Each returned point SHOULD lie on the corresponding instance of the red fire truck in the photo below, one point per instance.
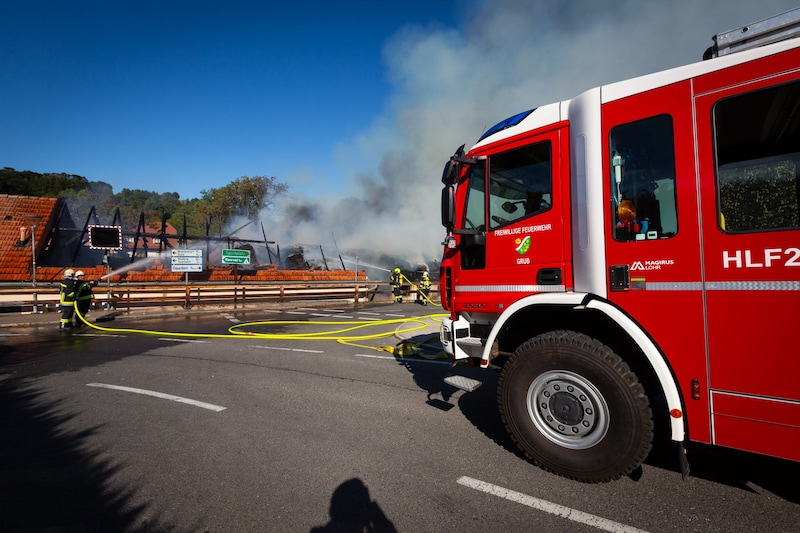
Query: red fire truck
(629, 261)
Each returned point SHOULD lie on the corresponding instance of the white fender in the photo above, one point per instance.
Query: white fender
(651, 352)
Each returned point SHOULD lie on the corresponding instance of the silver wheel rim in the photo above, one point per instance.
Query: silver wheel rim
(567, 409)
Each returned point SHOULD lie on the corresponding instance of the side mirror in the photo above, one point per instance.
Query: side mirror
(448, 207)
(450, 172)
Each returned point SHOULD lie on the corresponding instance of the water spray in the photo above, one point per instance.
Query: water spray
(363, 264)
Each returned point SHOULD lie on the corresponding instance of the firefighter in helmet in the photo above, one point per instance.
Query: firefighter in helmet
(66, 298)
(424, 288)
(83, 297)
(397, 285)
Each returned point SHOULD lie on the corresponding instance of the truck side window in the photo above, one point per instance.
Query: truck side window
(757, 146)
(473, 247)
(643, 180)
(520, 184)
(475, 212)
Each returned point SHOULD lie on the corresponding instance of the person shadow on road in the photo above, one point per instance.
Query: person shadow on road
(352, 511)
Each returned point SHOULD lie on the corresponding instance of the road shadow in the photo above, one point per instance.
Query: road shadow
(48, 479)
(745, 471)
(423, 361)
(479, 406)
(352, 510)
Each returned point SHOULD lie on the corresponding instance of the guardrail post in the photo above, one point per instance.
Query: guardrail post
(244, 296)
(187, 304)
(280, 297)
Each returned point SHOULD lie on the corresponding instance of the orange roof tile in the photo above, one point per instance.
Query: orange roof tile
(17, 215)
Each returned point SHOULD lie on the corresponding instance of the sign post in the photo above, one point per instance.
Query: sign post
(187, 261)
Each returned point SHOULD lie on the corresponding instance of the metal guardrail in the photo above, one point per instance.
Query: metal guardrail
(125, 296)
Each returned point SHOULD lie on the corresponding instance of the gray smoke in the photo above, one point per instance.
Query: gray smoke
(450, 84)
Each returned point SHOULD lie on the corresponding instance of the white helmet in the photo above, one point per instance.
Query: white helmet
(79, 273)
(68, 273)
(425, 274)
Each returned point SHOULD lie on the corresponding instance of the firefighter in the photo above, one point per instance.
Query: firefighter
(83, 296)
(66, 299)
(424, 288)
(397, 285)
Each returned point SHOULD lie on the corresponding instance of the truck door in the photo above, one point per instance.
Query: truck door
(749, 155)
(515, 202)
(653, 237)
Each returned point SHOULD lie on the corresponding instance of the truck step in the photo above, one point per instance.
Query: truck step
(463, 383)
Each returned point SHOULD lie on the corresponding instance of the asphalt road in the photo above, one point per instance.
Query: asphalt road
(126, 431)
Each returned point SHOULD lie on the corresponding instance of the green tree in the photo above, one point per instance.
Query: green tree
(27, 183)
(98, 194)
(244, 196)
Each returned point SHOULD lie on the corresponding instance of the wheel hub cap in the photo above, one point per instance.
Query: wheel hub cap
(568, 409)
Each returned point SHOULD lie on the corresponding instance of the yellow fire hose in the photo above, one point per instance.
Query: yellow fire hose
(344, 334)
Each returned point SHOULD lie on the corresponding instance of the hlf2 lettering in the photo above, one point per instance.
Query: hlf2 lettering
(761, 258)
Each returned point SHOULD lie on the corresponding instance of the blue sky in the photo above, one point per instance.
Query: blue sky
(356, 105)
(186, 96)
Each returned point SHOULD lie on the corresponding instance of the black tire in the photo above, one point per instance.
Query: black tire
(575, 407)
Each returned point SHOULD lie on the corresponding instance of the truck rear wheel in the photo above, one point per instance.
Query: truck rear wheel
(575, 408)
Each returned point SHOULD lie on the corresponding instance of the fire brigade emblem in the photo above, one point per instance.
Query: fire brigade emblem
(523, 245)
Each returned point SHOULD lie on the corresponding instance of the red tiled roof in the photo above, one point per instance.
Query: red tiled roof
(170, 233)
(18, 212)
(25, 211)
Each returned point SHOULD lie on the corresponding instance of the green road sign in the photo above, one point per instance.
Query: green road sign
(235, 257)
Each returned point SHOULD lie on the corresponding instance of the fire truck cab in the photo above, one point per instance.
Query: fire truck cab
(629, 261)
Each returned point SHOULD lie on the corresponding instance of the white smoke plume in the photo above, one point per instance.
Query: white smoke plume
(450, 84)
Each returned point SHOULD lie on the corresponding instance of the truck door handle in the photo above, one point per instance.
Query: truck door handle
(548, 276)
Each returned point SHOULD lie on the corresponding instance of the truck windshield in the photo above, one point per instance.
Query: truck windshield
(520, 183)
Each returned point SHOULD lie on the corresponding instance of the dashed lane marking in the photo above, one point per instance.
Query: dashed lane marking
(284, 349)
(183, 340)
(179, 399)
(548, 507)
(231, 318)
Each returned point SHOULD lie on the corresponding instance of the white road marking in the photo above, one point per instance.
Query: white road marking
(404, 359)
(161, 395)
(288, 349)
(182, 340)
(342, 316)
(319, 314)
(548, 507)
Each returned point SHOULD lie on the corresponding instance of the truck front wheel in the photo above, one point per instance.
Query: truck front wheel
(575, 408)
